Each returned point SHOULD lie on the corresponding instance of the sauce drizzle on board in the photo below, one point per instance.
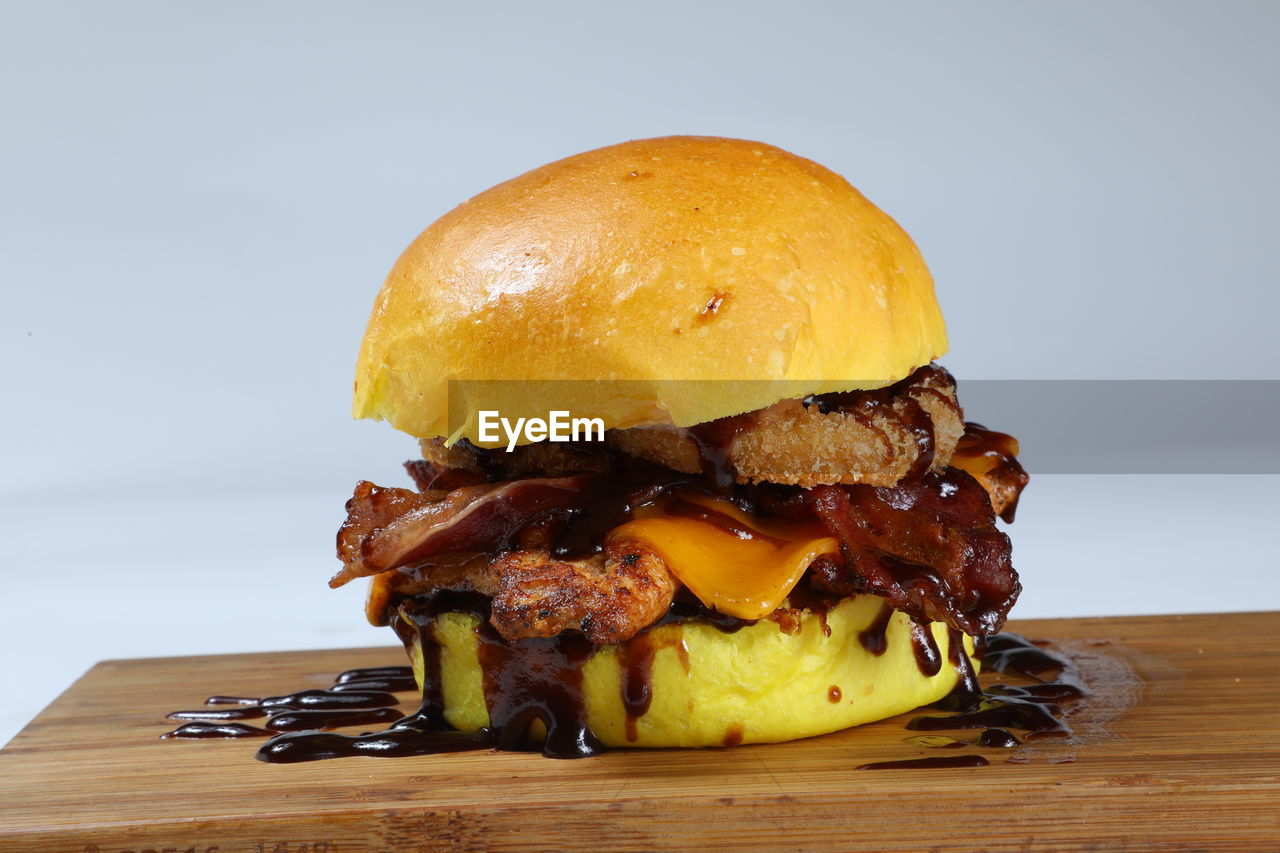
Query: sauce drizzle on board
(928, 761)
(540, 680)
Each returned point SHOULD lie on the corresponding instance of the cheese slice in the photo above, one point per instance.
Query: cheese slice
(733, 562)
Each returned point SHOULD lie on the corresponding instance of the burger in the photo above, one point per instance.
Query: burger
(690, 474)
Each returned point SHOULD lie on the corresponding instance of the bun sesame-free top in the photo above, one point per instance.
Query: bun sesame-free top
(642, 266)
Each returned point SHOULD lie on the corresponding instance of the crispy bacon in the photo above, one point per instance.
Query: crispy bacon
(387, 528)
(929, 546)
(991, 458)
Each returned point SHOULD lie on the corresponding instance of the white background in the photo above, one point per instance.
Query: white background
(198, 203)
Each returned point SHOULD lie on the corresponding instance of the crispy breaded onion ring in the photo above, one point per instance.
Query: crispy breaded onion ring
(875, 437)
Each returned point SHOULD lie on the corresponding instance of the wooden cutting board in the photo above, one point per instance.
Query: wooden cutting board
(1179, 748)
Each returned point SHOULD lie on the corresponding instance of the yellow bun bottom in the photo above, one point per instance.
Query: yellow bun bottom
(758, 685)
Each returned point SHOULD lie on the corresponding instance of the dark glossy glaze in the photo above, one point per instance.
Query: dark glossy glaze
(990, 738)
(1004, 710)
(377, 685)
(541, 680)
(393, 679)
(931, 761)
(216, 730)
(317, 718)
(423, 732)
(609, 505)
(414, 624)
(677, 506)
(210, 715)
(873, 637)
(998, 453)
(968, 682)
(230, 700)
(524, 681)
(714, 440)
(925, 648)
(802, 598)
(684, 609)
(1036, 709)
(398, 673)
(297, 747)
(305, 709)
(929, 546)
(891, 402)
(1010, 653)
(328, 700)
(537, 679)
(997, 739)
(635, 657)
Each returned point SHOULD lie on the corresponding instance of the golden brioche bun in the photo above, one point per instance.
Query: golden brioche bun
(635, 269)
(761, 684)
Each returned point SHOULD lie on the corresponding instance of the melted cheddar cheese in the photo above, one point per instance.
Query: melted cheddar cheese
(733, 562)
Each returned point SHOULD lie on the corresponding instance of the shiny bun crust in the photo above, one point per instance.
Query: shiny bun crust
(759, 685)
(642, 266)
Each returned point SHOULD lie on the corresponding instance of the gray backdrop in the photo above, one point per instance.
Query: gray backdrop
(199, 201)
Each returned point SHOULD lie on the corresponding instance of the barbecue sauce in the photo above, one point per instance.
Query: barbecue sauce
(714, 440)
(1036, 708)
(524, 681)
(981, 450)
(305, 709)
(541, 680)
(928, 761)
(928, 660)
(635, 658)
(991, 738)
(968, 683)
(306, 720)
(537, 679)
(892, 402)
(873, 637)
(216, 729)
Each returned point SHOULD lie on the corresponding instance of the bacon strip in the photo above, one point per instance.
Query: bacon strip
(387, 528)
(930, 547)
(991, 458)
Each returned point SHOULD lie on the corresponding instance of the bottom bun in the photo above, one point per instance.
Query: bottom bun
(760, 684)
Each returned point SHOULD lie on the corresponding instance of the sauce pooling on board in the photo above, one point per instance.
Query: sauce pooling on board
(928, 761)
(305, 709)
(540, 680)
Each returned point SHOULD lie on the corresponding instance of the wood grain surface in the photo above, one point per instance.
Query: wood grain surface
(1178, 749)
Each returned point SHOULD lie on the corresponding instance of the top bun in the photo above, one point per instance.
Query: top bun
(638, 268)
